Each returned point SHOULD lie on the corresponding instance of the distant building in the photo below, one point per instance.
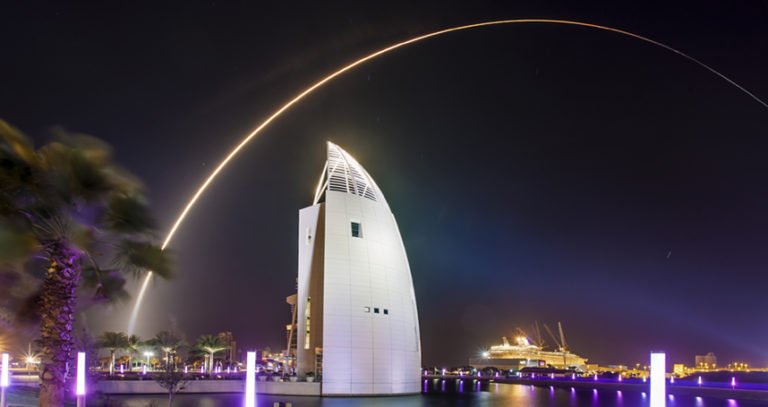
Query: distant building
(230, 357)
(706, 362)
(678, 369)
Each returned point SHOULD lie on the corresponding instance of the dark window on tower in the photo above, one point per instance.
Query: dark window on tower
(375, 310)
(357, 229)
(386, 311)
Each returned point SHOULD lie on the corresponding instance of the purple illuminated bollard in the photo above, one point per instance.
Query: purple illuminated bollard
(658, 385)
(4, 374)
(699, 381)
(4, 378)
(250, 380)
(80, 386)
(733, 382)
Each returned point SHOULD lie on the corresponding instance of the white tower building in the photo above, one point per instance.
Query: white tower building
(358, 327)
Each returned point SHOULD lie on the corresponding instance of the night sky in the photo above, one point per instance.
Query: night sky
(537, 172)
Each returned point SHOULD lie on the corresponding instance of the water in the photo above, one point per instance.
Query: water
(447, 393)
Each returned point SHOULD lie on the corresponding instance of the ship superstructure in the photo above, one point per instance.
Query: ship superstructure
(523, 353)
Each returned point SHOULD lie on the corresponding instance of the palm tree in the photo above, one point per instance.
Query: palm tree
(70, 205)
(211, 345)
(133, 346)
(168, 342)
(114, 341)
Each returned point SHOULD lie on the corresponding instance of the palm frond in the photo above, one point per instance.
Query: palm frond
(128, 214)
(138, 257)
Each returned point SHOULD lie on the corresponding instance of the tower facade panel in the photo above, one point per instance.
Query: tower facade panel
(370, 334)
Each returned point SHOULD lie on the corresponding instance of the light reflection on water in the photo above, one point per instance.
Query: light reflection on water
(439, 393)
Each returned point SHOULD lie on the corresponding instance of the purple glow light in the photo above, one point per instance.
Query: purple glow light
(699, 381)
(250, 380)
(144, 369)
(4, 374)
(733, 381)
(80, 387)
(122, 368)
(658, 384)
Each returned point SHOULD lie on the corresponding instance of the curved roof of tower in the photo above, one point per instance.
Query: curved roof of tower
(342, 173)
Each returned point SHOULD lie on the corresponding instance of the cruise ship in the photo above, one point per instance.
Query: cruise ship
(523, 353)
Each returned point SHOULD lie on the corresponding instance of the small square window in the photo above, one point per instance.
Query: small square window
(367, 309)
(357, 229)
(375, 310)
(386, 311)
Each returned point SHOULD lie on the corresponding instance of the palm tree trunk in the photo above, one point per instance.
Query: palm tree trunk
(57, 308)
(112, 362)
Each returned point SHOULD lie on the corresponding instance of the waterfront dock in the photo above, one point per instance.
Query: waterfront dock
(747, 391)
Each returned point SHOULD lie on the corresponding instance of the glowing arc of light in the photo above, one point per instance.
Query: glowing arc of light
(369, 57)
